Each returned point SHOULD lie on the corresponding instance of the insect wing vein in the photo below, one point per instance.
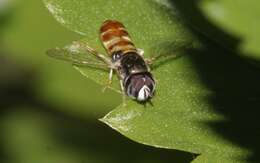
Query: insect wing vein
(77, 58)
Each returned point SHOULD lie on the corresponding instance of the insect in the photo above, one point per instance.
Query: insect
(136, 80)
(123, 58)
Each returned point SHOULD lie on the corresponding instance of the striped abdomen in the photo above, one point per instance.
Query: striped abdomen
(115, 37)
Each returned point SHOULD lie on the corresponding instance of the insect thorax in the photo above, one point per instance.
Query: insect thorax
(134, 72)
(129, 63)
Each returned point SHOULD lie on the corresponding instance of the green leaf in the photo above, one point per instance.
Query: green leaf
(180, 114)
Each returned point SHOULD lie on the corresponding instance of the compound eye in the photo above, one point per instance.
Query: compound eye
(118, 56)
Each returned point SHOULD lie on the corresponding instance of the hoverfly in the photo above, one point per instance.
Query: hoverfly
(124, 58)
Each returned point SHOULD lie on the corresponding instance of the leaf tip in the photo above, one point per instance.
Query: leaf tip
(102, 120)
(106, 121)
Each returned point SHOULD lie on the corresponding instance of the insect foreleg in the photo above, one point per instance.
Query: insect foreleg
(110, 76)
(123, 93)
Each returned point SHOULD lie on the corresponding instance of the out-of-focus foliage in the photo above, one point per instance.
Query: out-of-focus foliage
(184, 111)
(231, 24)
(239, 18)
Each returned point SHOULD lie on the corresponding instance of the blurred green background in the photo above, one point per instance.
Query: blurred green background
(48, 110)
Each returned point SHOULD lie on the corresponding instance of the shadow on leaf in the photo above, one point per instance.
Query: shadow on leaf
(233, 80)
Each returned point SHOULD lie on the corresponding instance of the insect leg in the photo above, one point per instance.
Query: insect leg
(123, 91)
(110, 77)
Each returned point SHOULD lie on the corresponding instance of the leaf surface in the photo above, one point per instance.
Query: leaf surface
(180, 113)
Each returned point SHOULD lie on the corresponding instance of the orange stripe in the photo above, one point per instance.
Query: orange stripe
(115, 37)
(111, 24)
(120, 43)
(124, 49)
(113, 33)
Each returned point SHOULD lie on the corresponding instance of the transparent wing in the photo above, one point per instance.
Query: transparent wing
(168, 51)
(79, 56)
